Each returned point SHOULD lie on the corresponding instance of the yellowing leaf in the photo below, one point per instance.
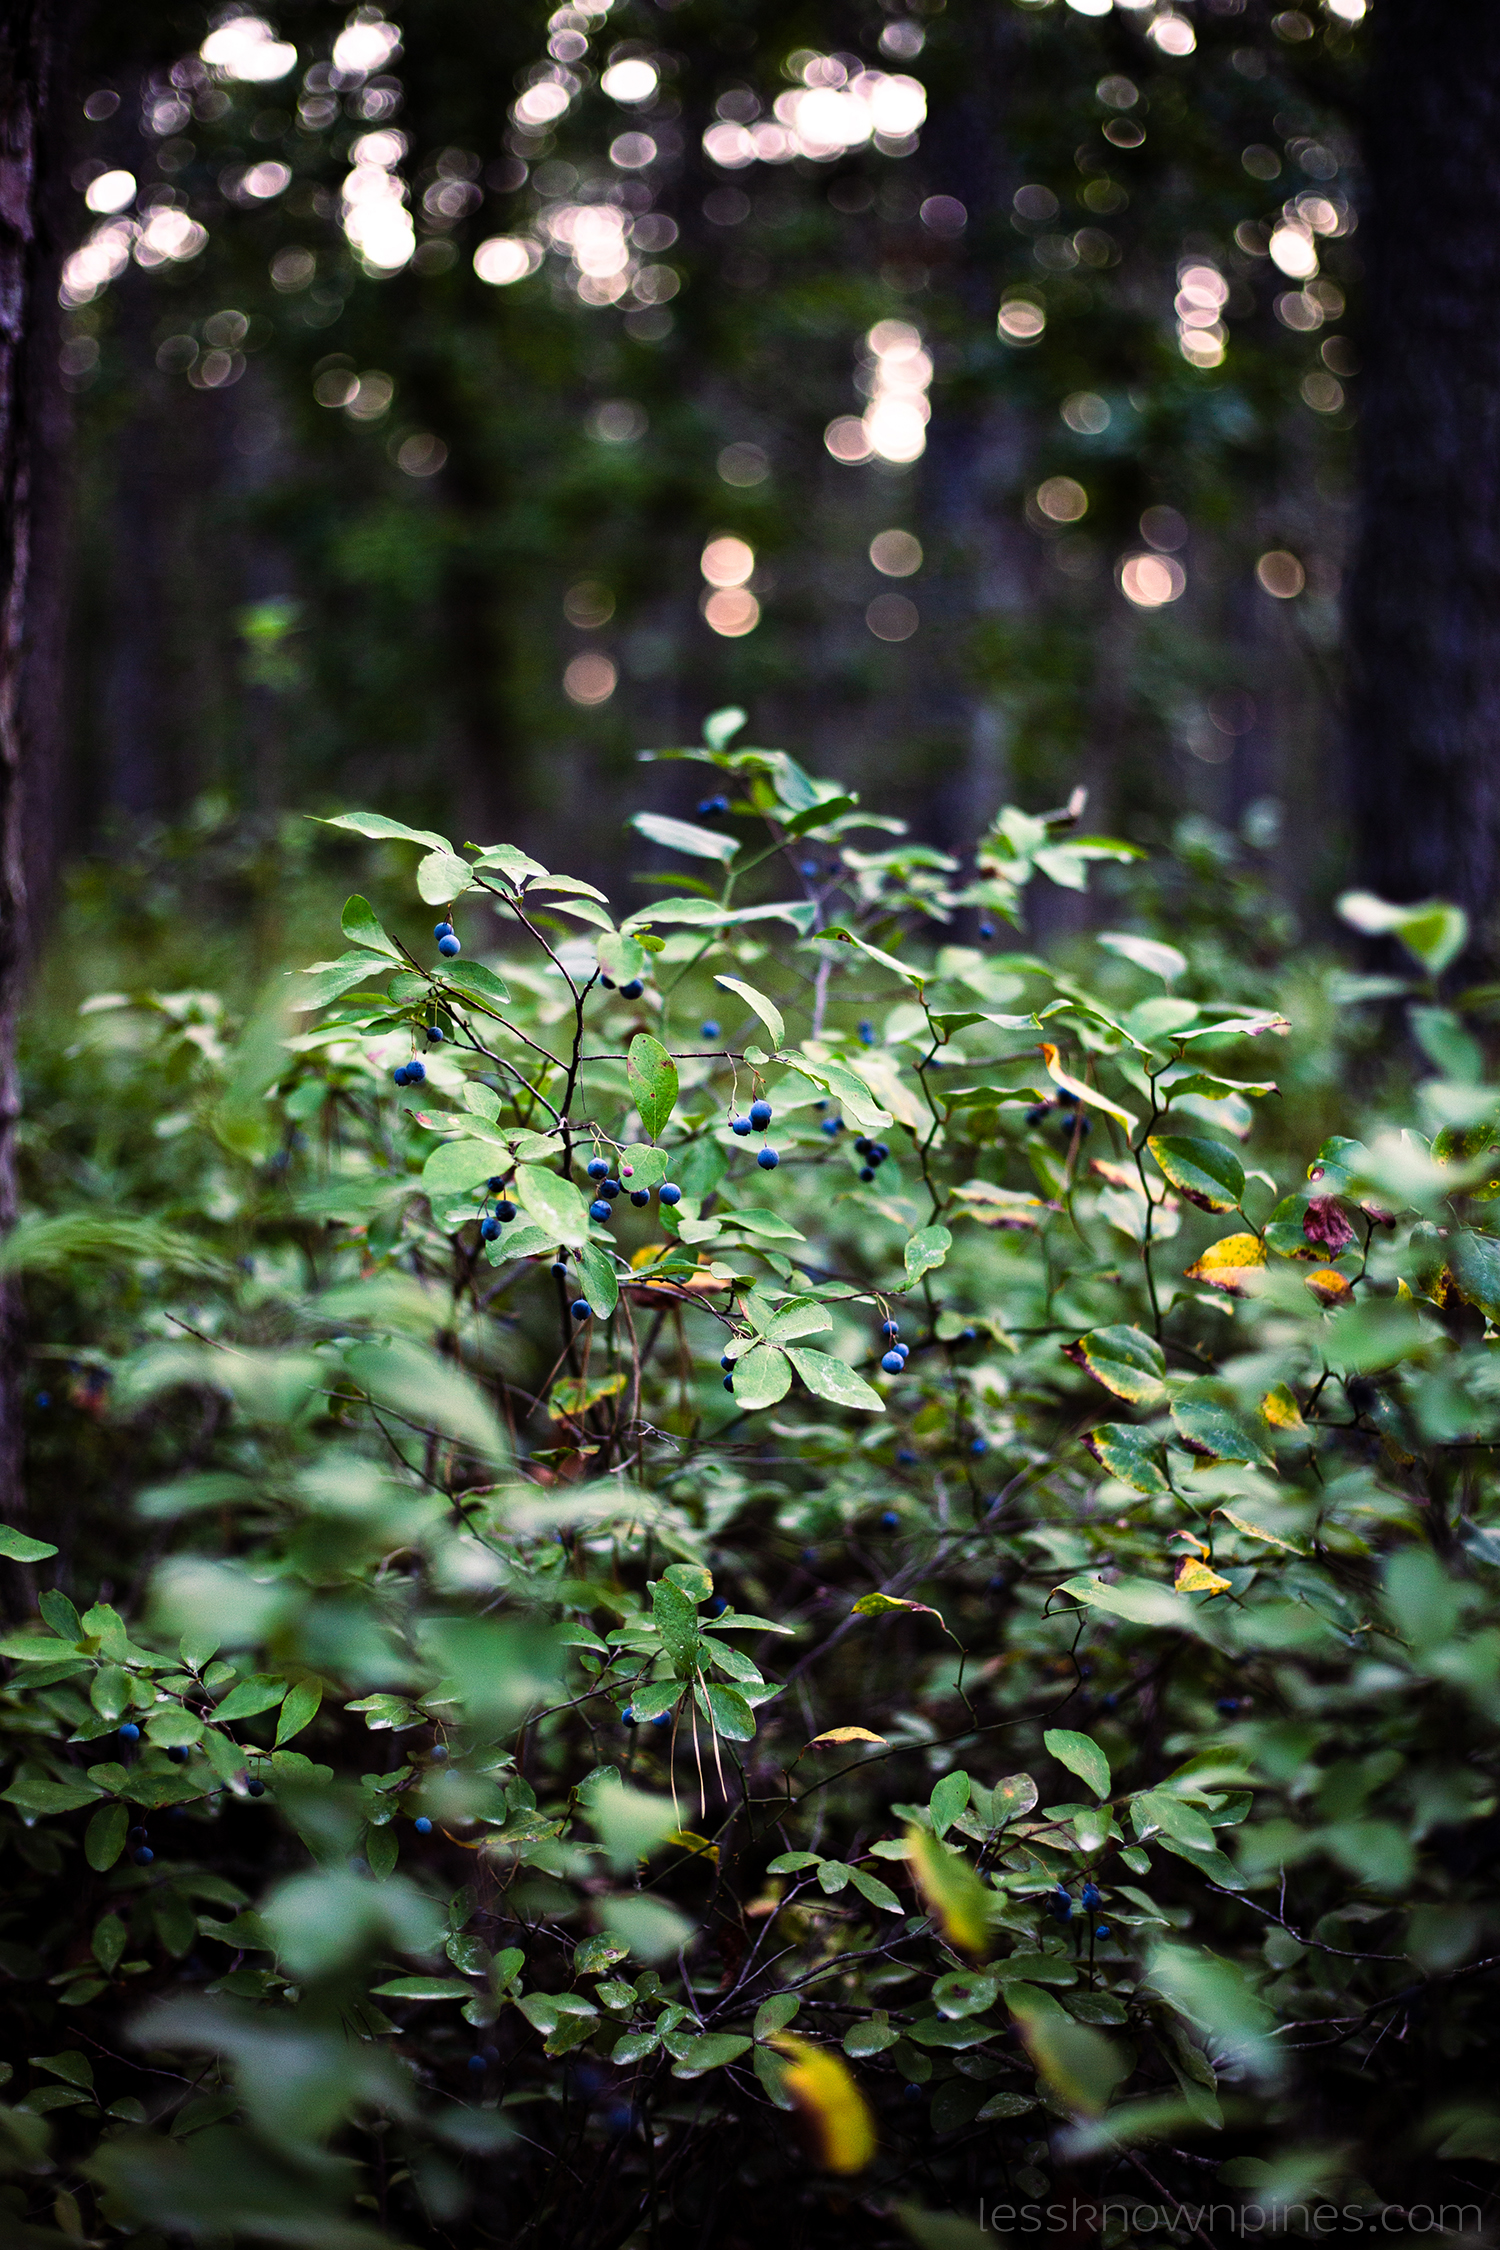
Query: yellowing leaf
(1085, 1093)
(954, 1894)
(1254, 1531)
(880, 1605)
(1230, 1264)
(1329, 1286)
(687, 1841)
(833, 1735)
(827, 2098)
(1281, 1410)
(1194, 1577)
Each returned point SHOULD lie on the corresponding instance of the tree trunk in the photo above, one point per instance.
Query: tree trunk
(1425, 599)
(27, 31)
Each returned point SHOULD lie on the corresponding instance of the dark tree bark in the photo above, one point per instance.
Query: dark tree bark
(1425, 599)
(28, 572)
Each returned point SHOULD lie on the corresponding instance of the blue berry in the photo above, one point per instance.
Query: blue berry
(902, 1352)
(890, 1519)
(768, 1160)
(178, 1754)
(561, 1268)
(893, 1363)
(906, 1456)
(442, 929)
(143, 1856)
(398, 1075)
(866, 1173)
(416, 1072)
(477, 2065)
(867, 1035)
(449, 946)
(668, 1193)
(494, 1184)
(633, 990)
(130, 1732)
(729, 1382)
(878, 1152)
(1091, 1896)
(607, 982)
(640, 1196)
(727, 1364)
(967, 1335)
(505, 1212)
(740, 1125)
(490, 1229)
(980, 1445)
(808, 867)
(1228, 1705)
(627, 1717)
(709, 1028)
(832, 1125)
(255, 1788)
(760, 1115)
(580, 1308)
(911, 2093)
(664, 1721)
(610, 1189)
(439, 1752)
(986, 929)
(890, 1328)
(1102, 1931)
(44, 1398)
(435, 1035)
(598, 1168)
(422, 1825)
(717, 1606)
(714, 805)
(1062, 1905)
(599, 1210)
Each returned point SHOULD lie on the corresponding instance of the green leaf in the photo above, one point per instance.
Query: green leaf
(682, 836)
(676, 1618)
(655, 1700)
(622, 957)
(1080, 1755)
(473, 981)
(299, 1710)
(711, 2052)
(104, 1838)
(361, 926)
(443, 877)
(316, 987)
(732, 1715)
(949, 1798)
(1435, 932)
(554, 1203)
(33, 1793)
(1212, 1428)
(926, 1250)
(376, 825)
(1151, 954)
(259, 1693)
(878, 1894)
(775, 2014)
(652, 1075)
(16, 1547)
(872, 2037)
(907, 974)
(1126, 1361)
(767, 1010)
(596, 1273)
(762, 1377)
(509, 860)
(835, 1380)
(1139, 1600)
(1132, 1455)
(1206, 1172)
(806, 1319)
(457, 1165)
(423, 1988)
(60, 1615)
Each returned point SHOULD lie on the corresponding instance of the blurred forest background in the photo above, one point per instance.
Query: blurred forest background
(415, 373)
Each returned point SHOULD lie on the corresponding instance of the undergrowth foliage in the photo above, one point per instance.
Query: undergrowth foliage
(757, 1571)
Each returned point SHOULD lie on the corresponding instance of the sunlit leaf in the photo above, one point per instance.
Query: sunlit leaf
(835, 2113)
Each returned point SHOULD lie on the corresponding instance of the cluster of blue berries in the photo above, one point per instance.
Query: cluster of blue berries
(756, 1119)
(504, 1211)
(895, 1355)
(874, 1154)
(447, 942)
(410, 1073)
(1060, 1905)
(708, 806)
(1067, 1113)
(630, 991)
